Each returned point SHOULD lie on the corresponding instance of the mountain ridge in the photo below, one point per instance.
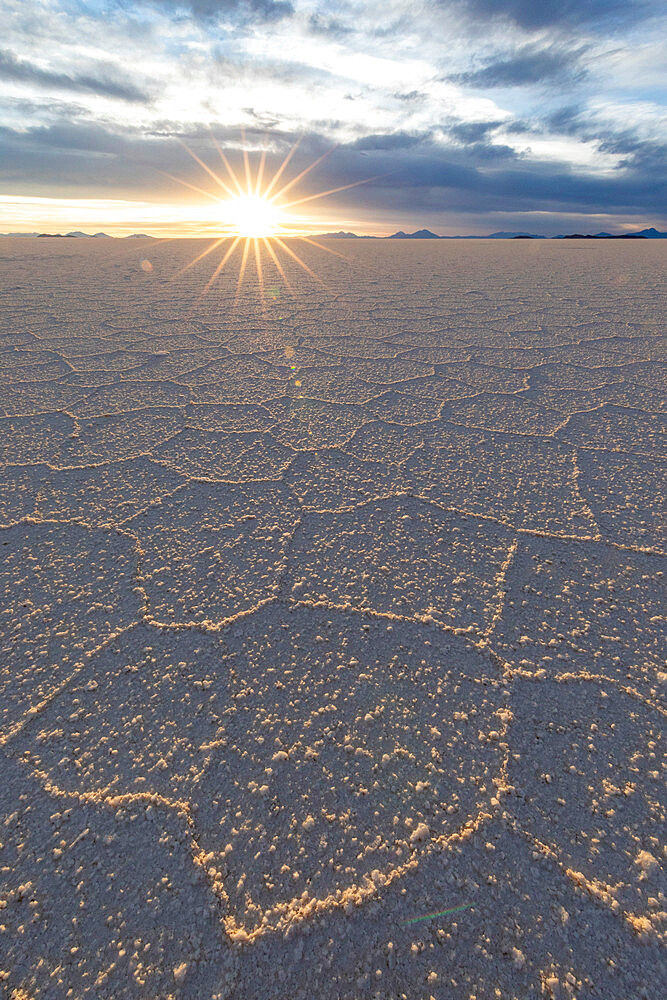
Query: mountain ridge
(420, 234)
(426, 234)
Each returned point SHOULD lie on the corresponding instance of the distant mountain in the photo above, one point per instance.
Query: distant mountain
(644, 234)
(650, 233)
(74, 236)
(601, 236)
(513, 236)
(340, 235)
(421, 234)
(426, 234)
(77, 235)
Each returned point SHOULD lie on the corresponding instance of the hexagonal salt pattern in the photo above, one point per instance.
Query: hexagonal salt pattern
(332, 624)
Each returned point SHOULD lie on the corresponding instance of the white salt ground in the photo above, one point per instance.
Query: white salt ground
(327, 612)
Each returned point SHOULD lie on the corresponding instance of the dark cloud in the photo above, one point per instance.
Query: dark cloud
(390, 141)
(415, 172)
(636, 150)
(439, 185)
(474, 137)
(242, 10)
(482, 178)
(569, 120)
(22, 71)
(638, 153)
(84, 158)
(470, 132)
(490, 152)
(528, 65)
(535, 14)
(84, 140)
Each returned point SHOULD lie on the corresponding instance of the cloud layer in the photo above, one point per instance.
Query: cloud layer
(471, 114)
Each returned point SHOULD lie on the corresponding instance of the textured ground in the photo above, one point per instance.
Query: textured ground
(326, 613)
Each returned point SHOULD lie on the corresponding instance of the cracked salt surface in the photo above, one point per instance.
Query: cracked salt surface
(324, 614)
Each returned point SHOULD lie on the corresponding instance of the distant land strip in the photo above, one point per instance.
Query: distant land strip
(421, 234)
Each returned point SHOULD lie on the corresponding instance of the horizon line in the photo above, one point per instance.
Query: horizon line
(423, 234)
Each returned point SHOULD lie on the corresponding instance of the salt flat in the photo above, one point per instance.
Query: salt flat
(329, 609)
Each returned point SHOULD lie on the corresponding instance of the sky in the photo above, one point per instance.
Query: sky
(462, 116)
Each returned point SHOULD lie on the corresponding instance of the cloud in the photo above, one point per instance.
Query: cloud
(468, 132)
(241, 10)
(528, 187)
(532, 15)
(416, 174)
(483, 178)
(528, 65)
(646, 156)
(568, 120)
(387, 142)
(410, 97)
(330, 27)
(22, 71)
(638, 152)
(353, 73)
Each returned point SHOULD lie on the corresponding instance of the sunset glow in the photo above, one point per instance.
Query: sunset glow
(255, 217)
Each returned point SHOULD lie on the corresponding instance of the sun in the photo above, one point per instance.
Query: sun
(252, 216)
(255, 217)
